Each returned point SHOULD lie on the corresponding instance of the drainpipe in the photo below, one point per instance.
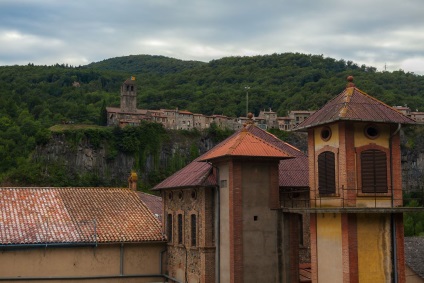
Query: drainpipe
(392, 220)
(121, 260)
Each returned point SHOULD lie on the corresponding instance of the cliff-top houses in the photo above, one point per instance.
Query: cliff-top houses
(175, 119)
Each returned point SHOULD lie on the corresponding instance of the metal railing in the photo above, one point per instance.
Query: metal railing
(301, 198)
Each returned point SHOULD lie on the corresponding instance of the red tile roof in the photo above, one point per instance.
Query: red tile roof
(244, 144)
(293, 172)
(355, 105)
(75, 215)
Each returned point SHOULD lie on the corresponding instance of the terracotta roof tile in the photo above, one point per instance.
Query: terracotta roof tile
(354, 104)
(75, 215)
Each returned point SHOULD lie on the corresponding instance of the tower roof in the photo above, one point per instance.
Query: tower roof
(245, 144)
(354, 105)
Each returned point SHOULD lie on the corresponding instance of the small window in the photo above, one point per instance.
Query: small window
(223, 183)
(326, 173)
(180, 195)
(371, 131)
(170, 195)
(326, 134)
(374, 171)
(194, 194)
(193, 230)
(169, 227)
(180, 229)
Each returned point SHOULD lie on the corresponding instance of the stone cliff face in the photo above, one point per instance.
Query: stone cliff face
(83, 158)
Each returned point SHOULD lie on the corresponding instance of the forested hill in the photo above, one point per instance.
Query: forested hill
(34, 98)
(145, 64)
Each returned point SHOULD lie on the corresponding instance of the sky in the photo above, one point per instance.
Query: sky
(388, 35)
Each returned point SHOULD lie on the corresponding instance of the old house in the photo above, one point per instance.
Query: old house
(77, 234)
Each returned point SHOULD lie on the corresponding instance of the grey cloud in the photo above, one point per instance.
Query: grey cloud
(366, 32)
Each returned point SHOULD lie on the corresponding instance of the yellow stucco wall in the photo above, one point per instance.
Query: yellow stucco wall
(329, 248)
(333, 141)
(361, 139)
(83, 261)
(373, 248)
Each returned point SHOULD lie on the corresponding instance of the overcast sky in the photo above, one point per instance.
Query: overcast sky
(78, 32)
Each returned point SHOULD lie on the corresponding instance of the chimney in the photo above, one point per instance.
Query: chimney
(132, 181)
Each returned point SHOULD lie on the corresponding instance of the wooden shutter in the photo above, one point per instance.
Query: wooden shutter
(374, 171)
(326, 173)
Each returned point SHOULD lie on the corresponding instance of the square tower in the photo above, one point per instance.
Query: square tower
(356, 189)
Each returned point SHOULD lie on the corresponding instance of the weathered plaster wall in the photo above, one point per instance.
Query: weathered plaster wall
(259, 225)
(82, 261)
(374, 255)
(329, 248)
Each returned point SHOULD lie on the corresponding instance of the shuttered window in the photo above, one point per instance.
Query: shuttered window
(374, 171)
(326, 173)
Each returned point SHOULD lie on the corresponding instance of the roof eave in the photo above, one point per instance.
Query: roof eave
(305, 128)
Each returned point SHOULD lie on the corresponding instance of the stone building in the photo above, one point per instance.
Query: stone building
(234, 192)
(127, 113)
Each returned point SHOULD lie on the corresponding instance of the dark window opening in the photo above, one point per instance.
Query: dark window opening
(132, 88)
(169, 227)
(326, 173)
(193, 230)
(180, 228)
(301, 229)
(326, 133)
(374, 171)
(372, 132)
(255, 218)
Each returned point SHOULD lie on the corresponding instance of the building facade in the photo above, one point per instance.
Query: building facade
(356, 190)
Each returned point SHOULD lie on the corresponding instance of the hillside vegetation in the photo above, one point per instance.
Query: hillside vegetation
(34, 98)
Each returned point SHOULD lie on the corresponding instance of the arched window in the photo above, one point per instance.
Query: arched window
(180, 229)
(169, 227)
(326, 173)
(374, 171)
(193, 230)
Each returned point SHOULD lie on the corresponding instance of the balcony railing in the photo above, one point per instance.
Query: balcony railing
(354, 200)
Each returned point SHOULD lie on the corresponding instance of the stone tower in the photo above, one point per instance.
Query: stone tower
(248, 208)
(129, 96)
(356, 190)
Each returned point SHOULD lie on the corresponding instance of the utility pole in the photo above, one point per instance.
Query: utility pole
(247, 99)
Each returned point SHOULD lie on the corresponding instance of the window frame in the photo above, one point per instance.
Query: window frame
(326, 193)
